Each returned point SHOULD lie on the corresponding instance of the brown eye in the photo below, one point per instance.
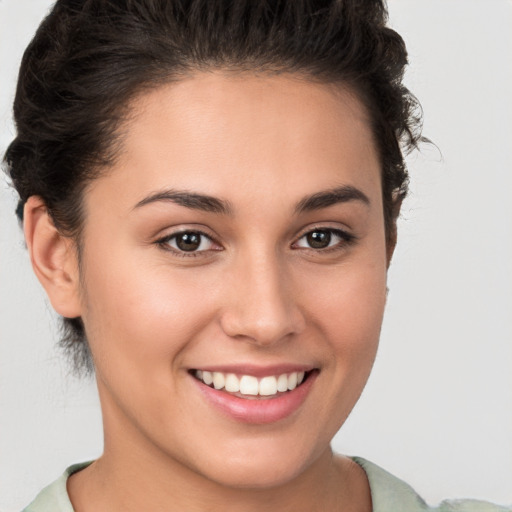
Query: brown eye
(319, 239)
(188, 241)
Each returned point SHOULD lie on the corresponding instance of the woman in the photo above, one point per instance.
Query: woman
(210, 195)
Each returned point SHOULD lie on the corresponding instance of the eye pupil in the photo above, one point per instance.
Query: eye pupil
(319, 239)
(188, 241)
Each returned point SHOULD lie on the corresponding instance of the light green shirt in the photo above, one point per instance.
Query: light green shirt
(389, 494)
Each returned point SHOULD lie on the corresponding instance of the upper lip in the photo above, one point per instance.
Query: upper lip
(257, 370)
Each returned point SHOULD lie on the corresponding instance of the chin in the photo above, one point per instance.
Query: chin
(258, 476)
(260, 465)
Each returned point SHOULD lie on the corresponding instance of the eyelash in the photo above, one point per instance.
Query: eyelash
(345, 239)
(163, 243)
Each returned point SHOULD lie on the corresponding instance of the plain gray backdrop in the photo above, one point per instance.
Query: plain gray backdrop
(437, 410)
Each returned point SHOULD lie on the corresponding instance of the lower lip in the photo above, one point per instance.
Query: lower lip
(264, 410)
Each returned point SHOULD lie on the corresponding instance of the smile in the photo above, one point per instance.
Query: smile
(269, 396)
(249, 386)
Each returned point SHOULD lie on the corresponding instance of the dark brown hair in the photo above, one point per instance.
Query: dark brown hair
(89, 58)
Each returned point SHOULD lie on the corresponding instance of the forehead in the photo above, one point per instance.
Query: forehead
(223, 133)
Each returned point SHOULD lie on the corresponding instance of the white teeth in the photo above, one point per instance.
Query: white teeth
(282, 382)
(232, 383)
(292, 381)
(218, 380)
(250, 385)
(268, 386)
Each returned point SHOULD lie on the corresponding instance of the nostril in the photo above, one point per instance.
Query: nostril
(262, 308)
(261, 328)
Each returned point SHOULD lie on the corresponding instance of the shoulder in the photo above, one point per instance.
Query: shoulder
(390, 494)
(54, 498)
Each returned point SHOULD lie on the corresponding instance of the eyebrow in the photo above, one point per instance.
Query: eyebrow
(190, 200)
(330, 197)
(211, 204)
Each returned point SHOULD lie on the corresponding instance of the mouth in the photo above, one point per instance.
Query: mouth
(267, 397)
(250, 387)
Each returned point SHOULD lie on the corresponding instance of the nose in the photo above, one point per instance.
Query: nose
(261, 305)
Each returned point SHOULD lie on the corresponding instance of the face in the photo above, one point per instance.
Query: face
(240, 238)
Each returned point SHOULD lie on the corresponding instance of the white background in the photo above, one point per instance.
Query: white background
(437, 411)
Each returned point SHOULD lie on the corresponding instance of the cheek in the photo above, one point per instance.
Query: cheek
(348, 305)
(347, 310)
(349, 317)
(146, 312)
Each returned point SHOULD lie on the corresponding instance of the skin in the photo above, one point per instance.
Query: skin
(256, 294)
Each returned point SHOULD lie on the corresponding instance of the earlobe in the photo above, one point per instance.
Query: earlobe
(53, 258)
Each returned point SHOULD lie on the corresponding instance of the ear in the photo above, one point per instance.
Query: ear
(391, 238)
(53, 258)
(391, 243)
